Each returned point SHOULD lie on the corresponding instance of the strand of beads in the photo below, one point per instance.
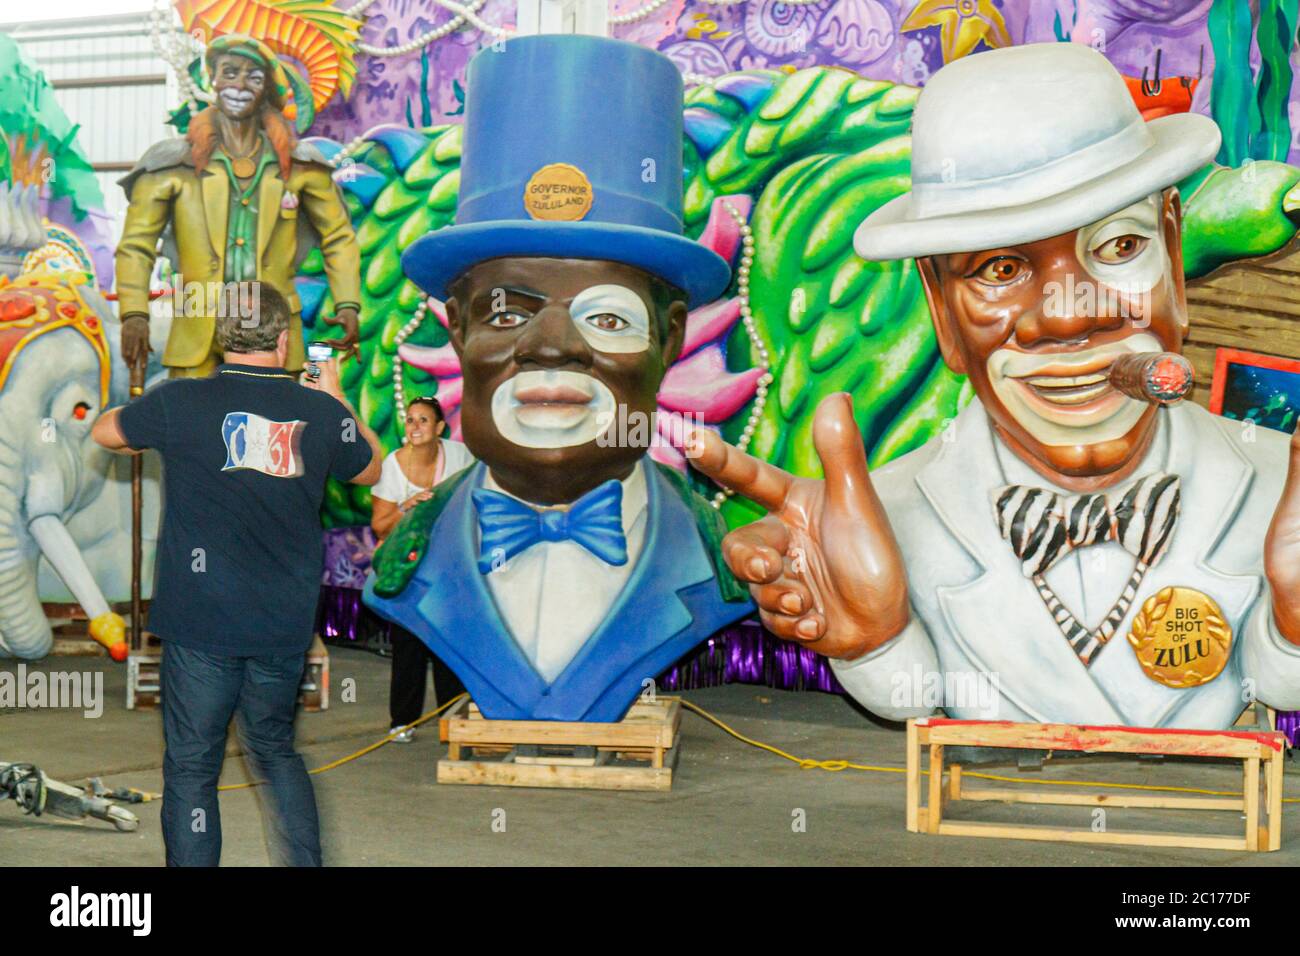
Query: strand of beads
(633, 16)
(177, 53)
(350, 149)
(642, 13)
(697, 79)
(462, 14)
(399, 397)
(747, 319)
(470, 14)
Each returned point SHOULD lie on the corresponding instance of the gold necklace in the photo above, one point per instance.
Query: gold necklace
(236, 371)
(243, 166)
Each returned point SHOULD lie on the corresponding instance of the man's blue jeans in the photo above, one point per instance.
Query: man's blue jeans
(201, 693)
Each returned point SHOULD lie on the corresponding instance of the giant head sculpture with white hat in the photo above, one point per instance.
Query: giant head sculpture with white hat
(1045, 221)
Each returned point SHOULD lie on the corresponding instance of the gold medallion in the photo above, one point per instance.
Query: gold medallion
(243, 168)
(1181, 638)
(558, 192)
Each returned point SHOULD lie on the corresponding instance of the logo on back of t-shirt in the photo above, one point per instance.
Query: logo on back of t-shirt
(262, 445)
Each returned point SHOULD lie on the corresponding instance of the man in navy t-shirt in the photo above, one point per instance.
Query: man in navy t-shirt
(246, 453)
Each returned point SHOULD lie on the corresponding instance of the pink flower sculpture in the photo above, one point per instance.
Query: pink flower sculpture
(697, 389)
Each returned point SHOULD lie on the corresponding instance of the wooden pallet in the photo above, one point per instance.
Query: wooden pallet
(144, 673)
(637, 753)
(144, 676)
(314, 694)
(1262, 755)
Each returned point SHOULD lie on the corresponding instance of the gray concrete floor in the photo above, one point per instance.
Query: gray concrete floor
(730, 803)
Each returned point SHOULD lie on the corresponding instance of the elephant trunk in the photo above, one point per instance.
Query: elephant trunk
(24, 631)
(66, 560)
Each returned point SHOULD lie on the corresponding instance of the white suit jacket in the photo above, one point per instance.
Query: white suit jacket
(981, 634)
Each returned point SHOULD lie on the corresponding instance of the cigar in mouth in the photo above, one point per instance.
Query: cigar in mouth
(1161, 378)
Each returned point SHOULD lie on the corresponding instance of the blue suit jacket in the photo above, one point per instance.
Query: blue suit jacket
(671, 603)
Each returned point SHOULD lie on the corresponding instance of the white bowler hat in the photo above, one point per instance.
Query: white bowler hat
(1027, 142)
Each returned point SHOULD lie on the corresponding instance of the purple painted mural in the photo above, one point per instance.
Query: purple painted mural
(1171, 44)
(421, 88)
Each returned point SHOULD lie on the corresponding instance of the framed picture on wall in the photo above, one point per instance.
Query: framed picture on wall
(1250, 386)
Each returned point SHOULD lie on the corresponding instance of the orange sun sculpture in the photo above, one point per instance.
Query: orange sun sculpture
(319, 36)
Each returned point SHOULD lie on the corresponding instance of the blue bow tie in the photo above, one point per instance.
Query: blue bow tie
(507, 526)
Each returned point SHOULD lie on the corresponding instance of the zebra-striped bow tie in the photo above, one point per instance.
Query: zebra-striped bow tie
(1042, 527)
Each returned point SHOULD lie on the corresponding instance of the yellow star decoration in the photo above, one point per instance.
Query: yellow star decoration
(962, 25)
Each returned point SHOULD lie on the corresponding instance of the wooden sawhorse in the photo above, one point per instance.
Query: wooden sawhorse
(1262, 754)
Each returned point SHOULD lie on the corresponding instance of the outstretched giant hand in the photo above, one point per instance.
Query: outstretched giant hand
(822, 565)
(1282, 551)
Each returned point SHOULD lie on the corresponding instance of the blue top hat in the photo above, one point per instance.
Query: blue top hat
(572, 149)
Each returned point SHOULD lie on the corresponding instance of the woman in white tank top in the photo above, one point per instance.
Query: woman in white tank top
(410, 473)
(408, 477)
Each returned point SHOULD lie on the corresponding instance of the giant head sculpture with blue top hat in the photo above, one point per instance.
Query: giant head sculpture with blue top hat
(564, 571)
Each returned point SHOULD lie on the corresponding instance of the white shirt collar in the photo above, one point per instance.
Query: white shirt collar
(634, 494)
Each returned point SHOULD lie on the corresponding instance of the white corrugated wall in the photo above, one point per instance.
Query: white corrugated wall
(109, 80)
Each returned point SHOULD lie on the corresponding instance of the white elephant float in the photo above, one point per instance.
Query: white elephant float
(65, 503)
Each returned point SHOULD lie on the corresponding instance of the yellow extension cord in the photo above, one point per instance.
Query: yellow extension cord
(837, 765)
(807, 763)
(353, 756)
